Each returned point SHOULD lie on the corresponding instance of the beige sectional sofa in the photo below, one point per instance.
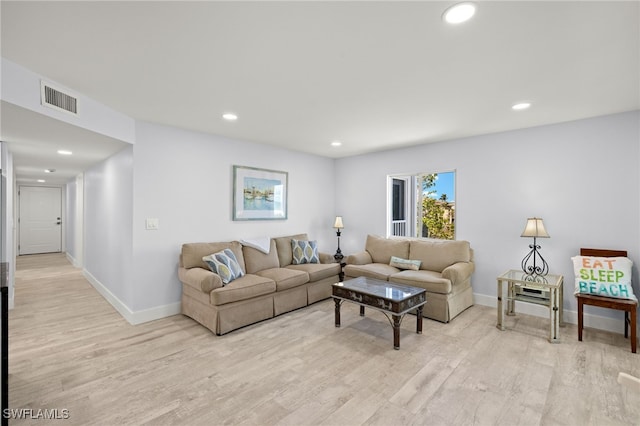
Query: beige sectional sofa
(445, 270)
(272, 285)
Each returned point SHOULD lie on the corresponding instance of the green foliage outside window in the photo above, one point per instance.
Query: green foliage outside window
(437, 215)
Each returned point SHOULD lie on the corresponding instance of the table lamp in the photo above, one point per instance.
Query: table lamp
(534, 228)
(338, 225)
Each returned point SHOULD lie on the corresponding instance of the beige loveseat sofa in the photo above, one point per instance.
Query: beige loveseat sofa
(271, 284)
(445, 270)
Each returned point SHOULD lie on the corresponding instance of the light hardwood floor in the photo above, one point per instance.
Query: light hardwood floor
(69, 349)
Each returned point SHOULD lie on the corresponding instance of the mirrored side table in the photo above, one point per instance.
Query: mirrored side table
(540, 290)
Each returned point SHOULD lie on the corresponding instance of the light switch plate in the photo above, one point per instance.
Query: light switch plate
(152, 224)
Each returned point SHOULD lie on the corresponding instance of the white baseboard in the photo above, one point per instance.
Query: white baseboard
(571, 317)
(132, 317)
(155, 313)
(72, 260)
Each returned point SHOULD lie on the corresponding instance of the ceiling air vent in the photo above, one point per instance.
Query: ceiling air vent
(57, 99)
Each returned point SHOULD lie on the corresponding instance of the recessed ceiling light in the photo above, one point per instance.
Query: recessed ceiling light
(336, 143)
(520, 106)
(49, 170)
(41, 180)
(229, 116)
(459, 13)
(64, 152)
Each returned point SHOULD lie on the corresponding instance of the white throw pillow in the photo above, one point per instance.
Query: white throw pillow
(603, 276)
(401, 263)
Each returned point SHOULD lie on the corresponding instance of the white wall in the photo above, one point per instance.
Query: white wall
(108, 197)
(7, 222)
(71, 219)
(184, 179)
(75, 221)
(581, 177)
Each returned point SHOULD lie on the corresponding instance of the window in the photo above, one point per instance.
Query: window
(422, 205)
(399, 207)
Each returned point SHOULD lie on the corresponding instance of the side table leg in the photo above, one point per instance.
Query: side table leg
(361, 310)
(500, 323)
(554, 314)
(396, 332)
(511, 302)
(419, 320)
(337, 311)
(561, 303)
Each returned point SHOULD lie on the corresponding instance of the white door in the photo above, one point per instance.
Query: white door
(40, 220)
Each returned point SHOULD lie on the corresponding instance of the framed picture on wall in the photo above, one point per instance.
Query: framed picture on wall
(259, 194)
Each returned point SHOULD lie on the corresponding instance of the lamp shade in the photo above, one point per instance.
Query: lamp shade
(338, 223)
(534, 228)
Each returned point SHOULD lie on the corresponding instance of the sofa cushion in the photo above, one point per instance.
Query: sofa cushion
(283, 244)
(429, 280)
(304, 251)
(224, 264)
(400, 263)
(381, 249)
(192, 253)
(380, 271)
(437, 255)
(318, 271)
(285, 278)
(246, 287)
(360, 258)
(256, 260)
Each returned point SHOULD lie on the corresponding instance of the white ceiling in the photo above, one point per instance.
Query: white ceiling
(374, 75)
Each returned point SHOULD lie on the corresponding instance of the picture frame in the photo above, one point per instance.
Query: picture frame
(259, 194)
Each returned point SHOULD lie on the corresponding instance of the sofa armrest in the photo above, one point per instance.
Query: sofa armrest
(458, 272)
(362, 258)
(199, 278)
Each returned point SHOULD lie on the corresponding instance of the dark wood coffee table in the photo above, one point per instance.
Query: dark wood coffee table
(394, 299)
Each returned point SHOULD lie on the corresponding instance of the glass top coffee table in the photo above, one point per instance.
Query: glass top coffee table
(394, 299)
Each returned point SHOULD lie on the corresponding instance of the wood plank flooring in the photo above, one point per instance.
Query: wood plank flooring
(69, 349)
